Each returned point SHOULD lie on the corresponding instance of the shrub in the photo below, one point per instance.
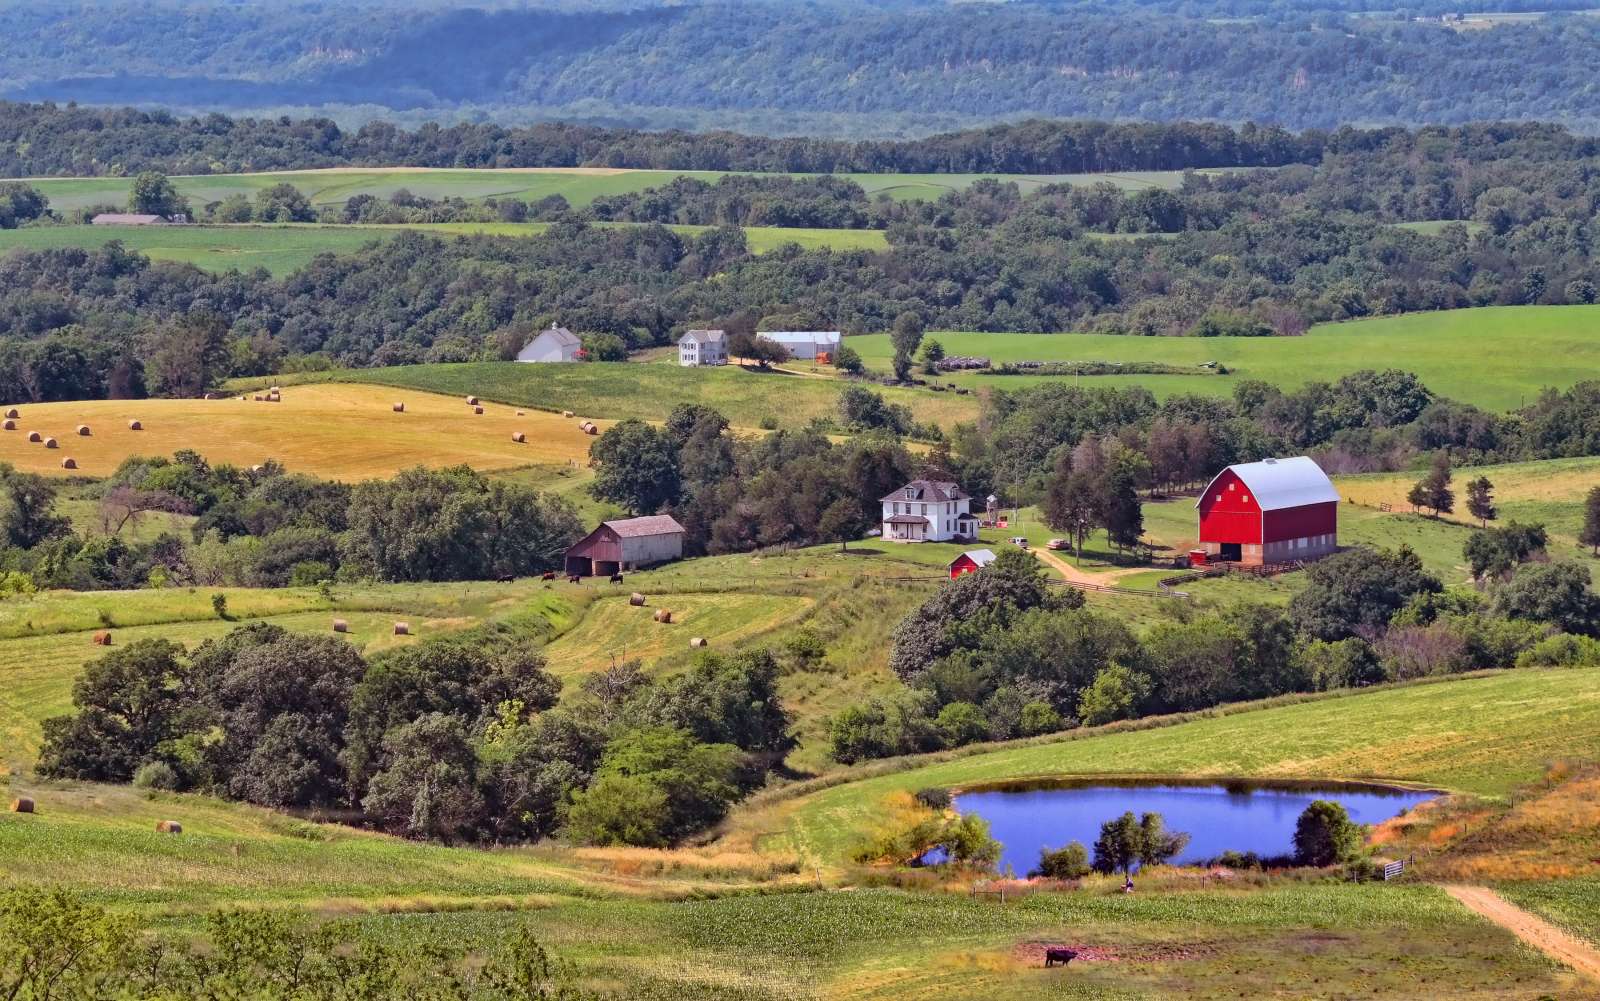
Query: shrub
(156, 775)
(962, 723)
(309, 573)
(1038, 717)
(219, 605)
(1068, 862)
(934, 798)
(1562, 650)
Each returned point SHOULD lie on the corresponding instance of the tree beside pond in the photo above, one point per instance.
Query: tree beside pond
(1325, 835)
(1071, 861)
(1127, 841)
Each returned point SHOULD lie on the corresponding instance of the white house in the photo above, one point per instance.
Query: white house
(928, 511)
(702, 347)
(804, 345)
(555, 344)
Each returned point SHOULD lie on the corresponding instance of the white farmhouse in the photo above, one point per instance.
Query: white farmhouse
(555, 344)
(804, 345)
(928, 511)
(702, 347)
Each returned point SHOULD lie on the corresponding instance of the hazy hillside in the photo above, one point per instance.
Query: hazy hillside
(841, 69)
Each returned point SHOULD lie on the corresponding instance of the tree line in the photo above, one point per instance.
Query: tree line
(464, 738)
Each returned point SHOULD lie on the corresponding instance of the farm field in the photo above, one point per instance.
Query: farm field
(342, 432)
(284, 249)
(578, 185)
(649, 391)
(1550, 491)
(1496, 357)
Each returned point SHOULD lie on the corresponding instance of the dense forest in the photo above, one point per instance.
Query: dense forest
(840, 68)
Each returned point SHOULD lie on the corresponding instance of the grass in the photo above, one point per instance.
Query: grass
(650, 391)
(284, 249)
(579, 186)
(1497, 357)
(343, 432)
(1574, 904)
(1551, 492)
(1484, 735)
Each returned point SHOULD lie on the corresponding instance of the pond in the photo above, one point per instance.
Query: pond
(1232, 816)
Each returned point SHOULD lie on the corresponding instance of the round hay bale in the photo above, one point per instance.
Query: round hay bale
(402, 629)
(257, 398)
(664, 615)
(208, 396)
(472, 401)
(477, 410)
(135, 425)
(636, 599)
(10, 425)
(50, 443)
(519, 437)
(399, 408)
(341, 626)
(22, 804)
(168, 827)
(566, 413)
(102, 638)
(258, 468)
(35, 436)
(13, 413)
(69, 463)
(591, 429)
(521, 414)
(698, 642)
(83, 430)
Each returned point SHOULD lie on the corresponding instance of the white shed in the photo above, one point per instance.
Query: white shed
(552, 345)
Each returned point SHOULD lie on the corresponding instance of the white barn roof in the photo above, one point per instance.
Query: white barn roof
(979, 557)
(1282, 483)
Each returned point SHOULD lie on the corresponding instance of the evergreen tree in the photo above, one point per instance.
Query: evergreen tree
(1433, 491)
(1124, 518)
(905, 337)
(1480, 500)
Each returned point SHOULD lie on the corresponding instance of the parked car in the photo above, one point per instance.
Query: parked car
(1021, 542)
(1056, 544)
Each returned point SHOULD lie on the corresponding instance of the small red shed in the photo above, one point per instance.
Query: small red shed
(970, 561)
(1273, 511)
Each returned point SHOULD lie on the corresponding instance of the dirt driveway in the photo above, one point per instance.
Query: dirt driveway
(1535, 931)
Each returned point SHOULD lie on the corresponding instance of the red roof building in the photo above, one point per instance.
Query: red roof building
(1273, 511)
(970, 561)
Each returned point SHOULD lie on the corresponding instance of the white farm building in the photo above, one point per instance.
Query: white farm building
(928, 511)
(556, 344)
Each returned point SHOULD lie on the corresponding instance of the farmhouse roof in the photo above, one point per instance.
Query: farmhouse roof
(701, 337)
(561, 335)
(937, 491)
(1282, 483)
(125, 219)
(907, 519)
(653, 524)
(979, 557)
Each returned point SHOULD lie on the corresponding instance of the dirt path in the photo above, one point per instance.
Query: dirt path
(1068, 571)
(1535, 931)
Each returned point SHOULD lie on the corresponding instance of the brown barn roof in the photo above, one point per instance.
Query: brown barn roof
(653, 524)
(907, 519)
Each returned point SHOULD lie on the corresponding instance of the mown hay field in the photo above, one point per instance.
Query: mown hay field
(1483, 735)
(650, 391)
(283, 249)
(1496, 357)
(1550, 492)
(341, 432)
(578, 185)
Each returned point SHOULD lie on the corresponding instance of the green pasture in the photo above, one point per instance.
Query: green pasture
(1497, 357)
(1549, 491)
(622, 389)
(579, 186)
(1574, 904)
(283, 249)
(1483, 735)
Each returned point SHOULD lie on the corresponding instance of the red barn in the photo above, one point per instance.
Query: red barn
(970, 561)
(1273, 511)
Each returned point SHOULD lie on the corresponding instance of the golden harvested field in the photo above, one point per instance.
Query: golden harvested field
(615, 629)
(342, 432)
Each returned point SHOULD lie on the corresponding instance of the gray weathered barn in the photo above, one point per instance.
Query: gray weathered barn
(626, 545)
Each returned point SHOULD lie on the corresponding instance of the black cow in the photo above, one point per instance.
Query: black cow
(1054, 955)
(616, 578)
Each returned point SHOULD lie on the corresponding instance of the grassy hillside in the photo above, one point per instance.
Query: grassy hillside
(650, 391)
(1497, 357)
(1551, 492)
(578, 185)
(282, 249)
(1483, 735)
(341, 432)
